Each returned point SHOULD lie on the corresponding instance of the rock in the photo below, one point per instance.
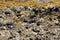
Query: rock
(33, 23)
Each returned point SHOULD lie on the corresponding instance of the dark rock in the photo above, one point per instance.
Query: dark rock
(26, 27)
(18, 11)
(50, 9)
(25, 7)
(7, 13)
(37, 38)
(56, 9)
(57, 24)
(32, 21)
(35, 30)
(30, 39)
(25, 20)
(1, 17)
(10, 37)
(1, 24)
(19, 31)
(38, 23)
(32, 16)
(58, 17)
(36, 11)
(10, 25)
(18, 14)
(50, 19)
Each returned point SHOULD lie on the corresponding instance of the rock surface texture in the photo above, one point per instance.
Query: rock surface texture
(30, 23)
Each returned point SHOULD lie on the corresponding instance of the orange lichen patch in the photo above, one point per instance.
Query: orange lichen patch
(16, 20)
(11, 3)
(57, 3)
(4, 3)
(2, 6)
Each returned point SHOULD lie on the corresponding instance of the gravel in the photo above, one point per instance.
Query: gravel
(30, 23)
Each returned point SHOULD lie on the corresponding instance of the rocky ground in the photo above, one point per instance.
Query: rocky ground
(30, 23)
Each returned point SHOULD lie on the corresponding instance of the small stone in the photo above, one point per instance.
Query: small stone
(31, 39)
(56, 9)
(50, 19)
(58, 17)
(32, 16)
(25, 20)
(35, 30)
(32, 21)
(10, 25)
(7, 13)
(38, 23)
(19, 31)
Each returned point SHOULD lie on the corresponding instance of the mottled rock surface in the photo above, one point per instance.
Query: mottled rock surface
(30, 23)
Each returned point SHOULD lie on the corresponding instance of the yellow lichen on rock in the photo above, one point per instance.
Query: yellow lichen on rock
(4, 3)
(2, 6)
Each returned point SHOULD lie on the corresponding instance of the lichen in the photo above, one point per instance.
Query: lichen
(26, 3)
